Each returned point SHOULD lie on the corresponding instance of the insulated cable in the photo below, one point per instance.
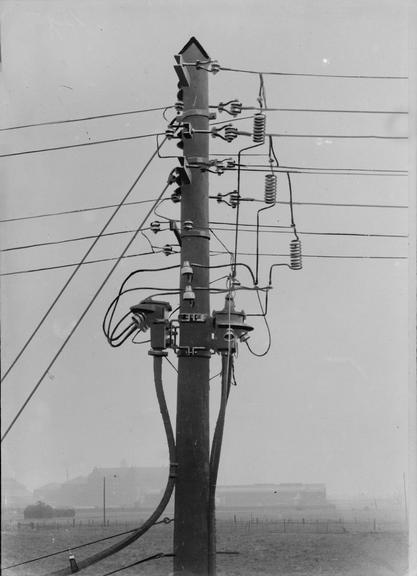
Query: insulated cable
(157, 366)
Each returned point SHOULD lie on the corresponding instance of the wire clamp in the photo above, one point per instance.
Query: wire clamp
(194, 351)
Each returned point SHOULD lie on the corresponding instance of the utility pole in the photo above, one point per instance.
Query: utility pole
(191, 529)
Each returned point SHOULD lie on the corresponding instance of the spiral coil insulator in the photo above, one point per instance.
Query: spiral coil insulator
(234, 199)
(270, 189)
(259, 125)
(235, 108)
(230, 133)
(295, 254)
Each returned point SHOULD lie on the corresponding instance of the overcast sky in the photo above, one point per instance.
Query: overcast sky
(329, 402)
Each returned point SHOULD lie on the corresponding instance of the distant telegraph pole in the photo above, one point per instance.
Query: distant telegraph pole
(191, 527)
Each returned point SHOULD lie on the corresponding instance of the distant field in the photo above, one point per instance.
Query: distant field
(309, 549)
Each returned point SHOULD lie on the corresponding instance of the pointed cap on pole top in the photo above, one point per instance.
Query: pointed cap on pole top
(194, 42)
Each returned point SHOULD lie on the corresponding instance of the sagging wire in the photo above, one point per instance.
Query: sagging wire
(270, 200)
(263, 314)
(295, 244)
(259, 127)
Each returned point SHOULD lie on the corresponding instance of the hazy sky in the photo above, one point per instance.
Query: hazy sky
(329, 402)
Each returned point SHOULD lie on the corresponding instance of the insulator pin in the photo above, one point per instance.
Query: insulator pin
(155, 226)
(167, 249)
(179, 106)
(270, 189)
(295, 254)
(176, 196)
(259, 126)
(170, 132)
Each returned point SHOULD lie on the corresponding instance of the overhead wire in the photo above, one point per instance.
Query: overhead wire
(81, 210)
(68, 146)
(326, 110)
(311, 74)
(80, 319)
(83, 119)
(81, 262)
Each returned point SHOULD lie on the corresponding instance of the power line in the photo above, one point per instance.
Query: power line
(83, 119)
(80, 210)
(310, 75)
(336, 256)
(123, 139)
(319, 171)
(119, 232)
(339, 136)
(62, 290)
(77, 211)
(324, 110)
(84, 313)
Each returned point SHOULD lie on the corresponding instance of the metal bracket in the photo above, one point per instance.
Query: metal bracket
(196, 112)
(182, 72)
(196, 351)
(196, 233)
(192, 317)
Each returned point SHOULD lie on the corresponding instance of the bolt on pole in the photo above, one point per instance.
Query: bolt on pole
(191, 527)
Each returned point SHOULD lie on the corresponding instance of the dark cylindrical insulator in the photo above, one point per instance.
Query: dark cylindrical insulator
(259, 125)
(295, 254)
(270, 189)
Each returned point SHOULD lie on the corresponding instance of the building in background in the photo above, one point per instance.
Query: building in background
(124, 486)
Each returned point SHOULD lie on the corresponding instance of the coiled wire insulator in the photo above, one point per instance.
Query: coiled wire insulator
(230, 133)
(235, 108)
(270, 189)
(234, 199)
(259, 125)
(295, 254)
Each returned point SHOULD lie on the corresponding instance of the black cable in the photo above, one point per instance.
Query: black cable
(336, 256)
(123, 139)
(263, 313)
(67, 240)
(147, 201)
(319, 171)
(83, 259)
(70, 548)
(80, 319)
(148, 559)
(29, 270)
(212, 229)
(226, 372)
(49, 214)
(310, 75)
(325, 110)
(157, 365)
(238, 200)
(287, 229)
(340, 136)
(52, 122)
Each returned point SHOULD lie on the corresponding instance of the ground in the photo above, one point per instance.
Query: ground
(246, 548)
